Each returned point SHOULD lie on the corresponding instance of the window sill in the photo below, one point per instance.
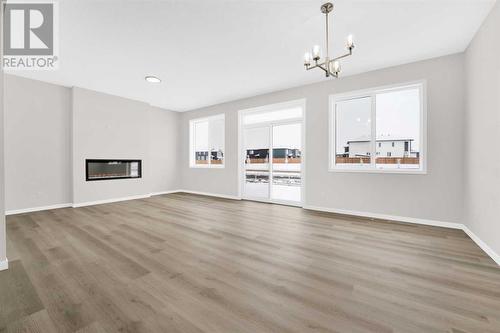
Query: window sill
(396, 171)
(206, 166)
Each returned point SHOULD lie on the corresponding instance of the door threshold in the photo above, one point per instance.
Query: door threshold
(282, 203)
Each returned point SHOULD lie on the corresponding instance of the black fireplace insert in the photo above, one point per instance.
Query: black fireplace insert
(101, 169)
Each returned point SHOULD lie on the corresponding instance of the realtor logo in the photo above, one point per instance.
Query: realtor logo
(29, 35)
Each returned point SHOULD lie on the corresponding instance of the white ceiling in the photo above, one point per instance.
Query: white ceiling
(208, 52)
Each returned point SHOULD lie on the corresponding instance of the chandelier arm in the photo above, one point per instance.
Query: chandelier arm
(343, 56)
(324, 69)
(322, 66)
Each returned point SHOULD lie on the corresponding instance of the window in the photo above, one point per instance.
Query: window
(206, 144)
(381, 130)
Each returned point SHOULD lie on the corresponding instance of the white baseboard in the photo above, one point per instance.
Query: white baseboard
(435, 223)
(105, 201)
(4, 264)
(224, 196)
(489, 251)
(36, 209)
(164, 192)
(89, 203)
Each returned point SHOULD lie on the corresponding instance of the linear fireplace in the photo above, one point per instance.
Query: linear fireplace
(101, 169)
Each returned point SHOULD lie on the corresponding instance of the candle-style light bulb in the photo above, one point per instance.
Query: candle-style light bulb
(335, 67)
(316, 52)
(307, 59)
(350, 42)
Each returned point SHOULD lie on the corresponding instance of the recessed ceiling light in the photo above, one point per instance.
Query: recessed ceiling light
(152, 79)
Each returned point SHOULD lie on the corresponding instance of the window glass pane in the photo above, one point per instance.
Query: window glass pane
(200, 144)
(256, 143)
(261, 117)
(353, 132)
(286, 167)
(216, 139)
(398, 129)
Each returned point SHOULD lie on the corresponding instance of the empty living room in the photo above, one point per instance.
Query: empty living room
(251, 166)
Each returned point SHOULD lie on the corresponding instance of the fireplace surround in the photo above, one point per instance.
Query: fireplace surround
(104, 169)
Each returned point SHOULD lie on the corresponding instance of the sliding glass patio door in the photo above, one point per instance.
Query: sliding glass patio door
(272, 155)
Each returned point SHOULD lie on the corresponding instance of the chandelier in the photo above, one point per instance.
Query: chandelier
(331, 67)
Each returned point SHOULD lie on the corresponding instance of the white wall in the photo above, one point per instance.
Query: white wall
(482, 132)
(436, 196)
(37, 143)
(164, 148)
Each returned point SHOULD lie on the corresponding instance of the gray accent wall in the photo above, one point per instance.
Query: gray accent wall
(108, 127)
(482, 132)
(37, 143)
(438, 195)
(111, 127)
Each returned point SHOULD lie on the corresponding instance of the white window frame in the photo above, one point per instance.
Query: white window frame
(209, 165)
(371, 168)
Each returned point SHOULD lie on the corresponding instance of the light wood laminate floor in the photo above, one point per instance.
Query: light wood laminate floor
(187, 263)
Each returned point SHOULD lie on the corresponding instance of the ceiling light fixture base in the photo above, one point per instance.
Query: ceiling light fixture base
(152, 79)
(327, 8)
